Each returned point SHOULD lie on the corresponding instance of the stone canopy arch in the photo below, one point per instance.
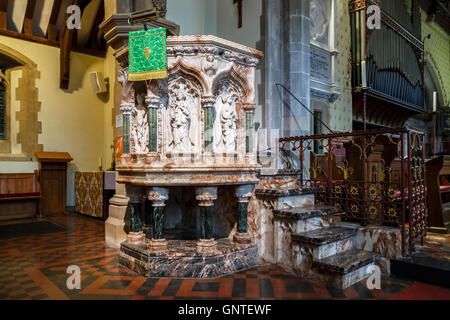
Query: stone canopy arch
(432, 71)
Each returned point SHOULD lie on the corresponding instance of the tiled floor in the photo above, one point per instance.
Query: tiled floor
(34, 267)
(436, 247)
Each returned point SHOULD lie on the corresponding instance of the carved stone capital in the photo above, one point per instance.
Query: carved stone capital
(153, 102)
(208, 102)
(126, 108)
(158, 196)
(206, 196)
(249, 107)
(244, 193)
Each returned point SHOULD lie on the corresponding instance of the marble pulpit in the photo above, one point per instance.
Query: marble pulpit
(193, 130)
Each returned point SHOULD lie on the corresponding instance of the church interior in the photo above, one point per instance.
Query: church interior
(224, 149)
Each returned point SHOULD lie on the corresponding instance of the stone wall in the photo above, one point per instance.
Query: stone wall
(45, 117)
(341, 109)
(437, 52)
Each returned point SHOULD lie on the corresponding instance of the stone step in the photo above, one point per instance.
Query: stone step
(301, 213)
(296, 220)
(324, 236)
(324, 242)
(343, 269)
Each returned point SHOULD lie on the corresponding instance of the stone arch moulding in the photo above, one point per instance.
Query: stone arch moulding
(180, 66)
(233, 73)
(27, 116)
(436, 77)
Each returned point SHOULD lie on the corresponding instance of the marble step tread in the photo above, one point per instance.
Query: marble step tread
(323, 236)
(305, 212)
(285, 193)
(345, 262)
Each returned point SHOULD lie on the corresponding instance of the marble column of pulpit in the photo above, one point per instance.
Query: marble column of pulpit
(205, 197)
(158, 197)
(135, 206)
(243, 194)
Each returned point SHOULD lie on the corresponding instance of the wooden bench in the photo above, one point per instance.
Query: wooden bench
(20, 195)
(438, 192)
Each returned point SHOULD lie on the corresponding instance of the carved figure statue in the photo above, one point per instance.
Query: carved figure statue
(228, 122)
(127, 87)
(180, 123)
(319, 14)
(209, 65)
(139, 130)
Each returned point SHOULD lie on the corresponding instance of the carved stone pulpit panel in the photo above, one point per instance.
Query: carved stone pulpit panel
(196, 126)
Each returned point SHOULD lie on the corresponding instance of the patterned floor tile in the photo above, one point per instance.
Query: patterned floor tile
(34, 267)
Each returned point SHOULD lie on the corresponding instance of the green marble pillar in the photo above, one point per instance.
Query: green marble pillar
(153, 129)
(208, 122)
(242, 217)
(148, 219)
(135, 217)
(249, 132)
(206, 225)
(126, 133)
(158, 223)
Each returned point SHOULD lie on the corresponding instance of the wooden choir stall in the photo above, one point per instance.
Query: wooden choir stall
(438, 200)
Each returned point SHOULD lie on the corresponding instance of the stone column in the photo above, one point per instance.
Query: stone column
(153, 103)
(158, 197)
(115, 224)
(243, 194)
(208, 105)
(205, 197)
(126, 111)
(249, 132)
(135, 206)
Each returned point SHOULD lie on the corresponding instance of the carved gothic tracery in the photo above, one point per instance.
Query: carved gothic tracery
(200, 107)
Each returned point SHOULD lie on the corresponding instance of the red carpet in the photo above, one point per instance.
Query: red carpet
(422, 291)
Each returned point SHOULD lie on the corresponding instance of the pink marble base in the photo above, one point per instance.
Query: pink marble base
(135, 237)
(206, 246)
(157, 245)
(182, 260)
(242, 238)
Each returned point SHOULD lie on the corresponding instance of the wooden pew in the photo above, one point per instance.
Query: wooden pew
(19, 195)
(438, 192)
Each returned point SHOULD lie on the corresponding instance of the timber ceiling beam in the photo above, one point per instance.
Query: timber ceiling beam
(93, 38)
(51, 29)
(3, 11)
(28, 20)
(66, 40)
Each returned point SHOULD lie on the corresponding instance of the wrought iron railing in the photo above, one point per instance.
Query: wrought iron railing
(373, 177)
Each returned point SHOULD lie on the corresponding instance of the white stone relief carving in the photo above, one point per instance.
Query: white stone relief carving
(320, 15)
(127, 88)
(209, 65)
(183, 113)
(204, 74)
(225, 129)
(227, 55)
(139, 127)
(180, 121)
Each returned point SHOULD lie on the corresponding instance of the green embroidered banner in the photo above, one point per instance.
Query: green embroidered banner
(147, 55)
